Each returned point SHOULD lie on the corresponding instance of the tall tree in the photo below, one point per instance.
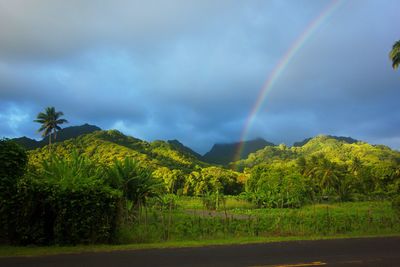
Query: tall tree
(395, 55)
(50, 120)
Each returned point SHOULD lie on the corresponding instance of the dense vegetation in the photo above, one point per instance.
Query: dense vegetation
(107, 187)
(322, 169)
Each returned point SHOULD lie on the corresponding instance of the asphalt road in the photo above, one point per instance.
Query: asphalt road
(340, 252)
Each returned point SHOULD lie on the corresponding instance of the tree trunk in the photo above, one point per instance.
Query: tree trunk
(50, 142)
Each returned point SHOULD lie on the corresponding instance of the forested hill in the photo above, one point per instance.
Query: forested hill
(184, 149)
(339, 138)
(62, 135)
(225, 153)
(106, 146)
(332, 148)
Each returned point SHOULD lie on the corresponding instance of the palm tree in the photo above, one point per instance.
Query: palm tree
(395, 55)
(50, 120)
(137, 184)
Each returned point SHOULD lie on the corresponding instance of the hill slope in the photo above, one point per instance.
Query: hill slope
(184, 149)
(106, 146)
(339, 138)
(335, 149)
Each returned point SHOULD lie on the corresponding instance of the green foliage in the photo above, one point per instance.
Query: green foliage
(13, 161)
(173, 180)
(212, 201)
(136, 183)
(394, 55)
(72, 172)
(396, 204)
(213, 179)
(66, 202)
(53, 212)
(276, 186)
(359, 218)
(104, 147)
(131, 190)
(332, 168)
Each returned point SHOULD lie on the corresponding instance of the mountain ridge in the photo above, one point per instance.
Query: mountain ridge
(224, 153)
(108, 145)
(346, 139)
(336, 148)
(62, 135)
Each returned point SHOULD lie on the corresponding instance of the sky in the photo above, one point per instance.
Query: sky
(192, 70)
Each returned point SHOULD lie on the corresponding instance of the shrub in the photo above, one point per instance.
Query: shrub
(13, 160)
(276, 186)
(396, 204)
(66, 202)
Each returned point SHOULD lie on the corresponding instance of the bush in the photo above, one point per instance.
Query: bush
(276, 187)
(213, 201)
(13, 160)
(66, 202)
(396, 204)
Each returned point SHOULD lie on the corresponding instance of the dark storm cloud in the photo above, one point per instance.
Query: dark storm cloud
(192, 70)
(343, 77)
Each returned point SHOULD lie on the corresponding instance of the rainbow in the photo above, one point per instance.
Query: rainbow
(280, 67)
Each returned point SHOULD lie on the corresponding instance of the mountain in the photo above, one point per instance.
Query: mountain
(106, 146)
(184, 149)
(27, 143)
(348, 140)
(339, 150)
(226, 153)
(72, 132)
(62, 135)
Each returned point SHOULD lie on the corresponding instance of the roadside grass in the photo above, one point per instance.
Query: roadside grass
(191, 226)
(37, 251)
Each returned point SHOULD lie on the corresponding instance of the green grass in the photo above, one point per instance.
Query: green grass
(14, 251)
(196, 203)
(190, 203)
(359, 218)
(372, 207)
(190, 226)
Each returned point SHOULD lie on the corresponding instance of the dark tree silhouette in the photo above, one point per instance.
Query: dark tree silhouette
(50, 120)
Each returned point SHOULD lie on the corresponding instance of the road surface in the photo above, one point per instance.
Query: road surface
(339, 252)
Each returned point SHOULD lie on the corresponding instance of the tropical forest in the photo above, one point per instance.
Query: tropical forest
(84, 185)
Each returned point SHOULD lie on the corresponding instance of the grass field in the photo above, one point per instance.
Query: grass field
(239, 219)
(189, 224)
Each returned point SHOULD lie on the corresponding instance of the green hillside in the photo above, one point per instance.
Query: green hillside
(336, 150)
(180, 171)
(105, 147)
(184, 149)
(324, 168)
(106, 187)
(339, 138)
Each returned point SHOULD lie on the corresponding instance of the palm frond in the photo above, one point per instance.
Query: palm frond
(50, 120)
(394, 55)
